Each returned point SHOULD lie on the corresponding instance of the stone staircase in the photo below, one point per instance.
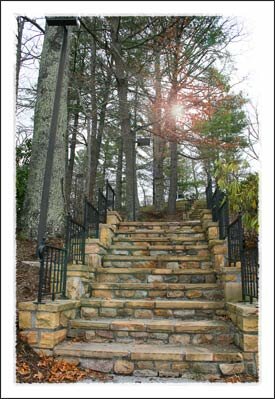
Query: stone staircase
(155, 308)
(197, 206)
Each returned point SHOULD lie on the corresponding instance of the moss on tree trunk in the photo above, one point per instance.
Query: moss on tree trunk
(42, 119)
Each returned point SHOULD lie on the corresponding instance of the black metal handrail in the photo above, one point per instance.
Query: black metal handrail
(52, 272)
(223, 219)
(53, 260)
(102, 207)
(110, 196)
(217, 199)
(235, 241)
(91, 220)
(75, 241)
(247, 257)
(209, 193)
(250, 273)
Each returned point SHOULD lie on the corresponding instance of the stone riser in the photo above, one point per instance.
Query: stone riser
(155, 252)
(161, 229)
(180, 235)
(131, 361)
(90, 312)
(158, 264)
(162, 225)
(133, 277)
(198, 371)
(147, 241)
(155, 338)
(210, 295)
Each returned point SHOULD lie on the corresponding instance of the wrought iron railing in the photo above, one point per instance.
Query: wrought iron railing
(53, 260)
(217, 199)
(223, 219)
(209, 194)
(237, 253)
(75, 241)
(235, 241)
(91, 220)
(218, 204)
(250, 273)
(102, 207)
(52, 272)
(110, 196)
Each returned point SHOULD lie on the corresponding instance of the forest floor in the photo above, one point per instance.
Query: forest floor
(148, 213)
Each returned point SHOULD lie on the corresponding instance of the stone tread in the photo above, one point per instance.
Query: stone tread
(160, 239)
(168, 258)
(154, 286)
(134, 351)
(161, 231)
(151, 304)
(170, 247)
(170, 223)
(151, 325)
(152, 270)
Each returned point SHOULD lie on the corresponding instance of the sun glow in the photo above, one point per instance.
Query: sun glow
(177, 110)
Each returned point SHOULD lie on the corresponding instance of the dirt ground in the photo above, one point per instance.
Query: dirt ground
(26, 275)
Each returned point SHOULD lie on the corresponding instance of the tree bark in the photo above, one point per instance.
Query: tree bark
(173, 179)
(124, 114)
(172, 128)
(158, 142)
(136, 198)
(70, 168)
(96, 139)
(158, 175)
(42, 118)
(119, 176)
(20, 27)
(195, 178)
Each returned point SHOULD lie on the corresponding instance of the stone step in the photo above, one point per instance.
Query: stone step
(155, 360)
(177, 229)
(148, 308)
(157, 261)
(199, 233)
(153, 250)
(187, 240)
(149, 275)
(167, 223)
(157, 290)
(152, 331)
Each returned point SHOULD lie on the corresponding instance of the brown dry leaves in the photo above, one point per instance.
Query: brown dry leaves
(32, 368)
(56, 371)
(235, 378)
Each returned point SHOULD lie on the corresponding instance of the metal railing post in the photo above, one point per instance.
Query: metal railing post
(41, 249)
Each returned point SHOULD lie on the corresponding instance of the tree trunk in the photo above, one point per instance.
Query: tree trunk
(96, 140)
(89, 157)
(42, 118)
(158, 142)
(70, 168)
(195, 178)
(158, 175)
(173, 179)
(136, 198)
(124, 115)
(20, 27)
(119, 176)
